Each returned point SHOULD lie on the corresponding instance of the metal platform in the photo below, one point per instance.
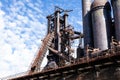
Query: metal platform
(79, 66)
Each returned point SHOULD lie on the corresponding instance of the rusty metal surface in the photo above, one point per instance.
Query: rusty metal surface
(41, 53)
(58, 29)
(107, 59)
(101, 25)
(116, 12)
(87, 24)
(106, 53)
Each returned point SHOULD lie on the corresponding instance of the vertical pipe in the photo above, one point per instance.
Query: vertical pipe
(58, 30)
(65, 26)
(65, 20)
(101, 23)
(87, 24)
(116, 12)
(48, 28)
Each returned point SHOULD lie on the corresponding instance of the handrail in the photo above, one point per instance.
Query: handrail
(35, 65)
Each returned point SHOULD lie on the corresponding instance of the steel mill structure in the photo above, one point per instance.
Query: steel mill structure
(100, 57)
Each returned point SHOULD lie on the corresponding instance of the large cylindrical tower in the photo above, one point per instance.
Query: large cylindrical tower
(116, 12)
(101, 22)
(87, 23)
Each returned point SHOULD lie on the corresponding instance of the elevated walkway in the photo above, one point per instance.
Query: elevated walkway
(108, 59)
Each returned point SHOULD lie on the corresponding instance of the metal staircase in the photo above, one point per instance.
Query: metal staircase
(35, 66)
(37, 61)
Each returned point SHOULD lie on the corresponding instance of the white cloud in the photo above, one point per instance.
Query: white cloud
(80, 23)
(20, 32)
(1, 19)
(22, 26)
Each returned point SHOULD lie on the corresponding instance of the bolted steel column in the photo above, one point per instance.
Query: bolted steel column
(116, 12)
(87, 23)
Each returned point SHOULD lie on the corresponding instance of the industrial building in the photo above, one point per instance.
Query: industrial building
(100, 57)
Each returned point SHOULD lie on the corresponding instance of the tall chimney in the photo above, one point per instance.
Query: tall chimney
(116, 12)
(101, 22)
(87, 24)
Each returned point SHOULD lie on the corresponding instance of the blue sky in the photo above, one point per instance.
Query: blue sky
(23, 25)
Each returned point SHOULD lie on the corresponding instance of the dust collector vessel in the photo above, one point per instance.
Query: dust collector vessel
(101, 22)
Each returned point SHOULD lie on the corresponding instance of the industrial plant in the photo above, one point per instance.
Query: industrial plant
(98, 59)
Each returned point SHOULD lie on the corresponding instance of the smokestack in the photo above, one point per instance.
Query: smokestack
(116, 12)
(87, 24)
(101, 21)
